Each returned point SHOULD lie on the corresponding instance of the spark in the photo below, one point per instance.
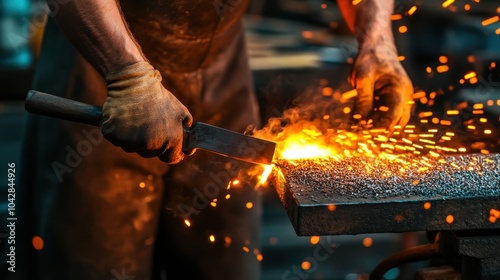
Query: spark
(305, 265)
(442, 68)
(367, 241)
(314, 240)
(396, 17)
(470, 75)
(447, 3)
(265, 175)
(412, 10)
(490, 20)
(450, 219)
(37, 242)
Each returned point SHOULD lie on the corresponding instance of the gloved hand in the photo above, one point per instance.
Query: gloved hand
(378, 74)
(141, 116)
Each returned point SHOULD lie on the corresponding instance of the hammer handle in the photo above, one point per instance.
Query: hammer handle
(62, 108)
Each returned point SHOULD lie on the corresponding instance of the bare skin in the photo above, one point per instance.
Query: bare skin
(97, 29)
(377, 72)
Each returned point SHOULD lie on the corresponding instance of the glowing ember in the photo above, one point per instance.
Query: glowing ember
(314, 240)
(267, 171)
(367, 242)
(37, 242)
(187, 222)
(331, 207)
(447, 3)
(450, 219)
(211, 238)
(305, 265)
(427, 205)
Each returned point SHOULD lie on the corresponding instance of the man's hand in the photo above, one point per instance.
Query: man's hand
(141, 116)
(377, 75)
(384, 89)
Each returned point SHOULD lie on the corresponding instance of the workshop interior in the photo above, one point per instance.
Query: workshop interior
(426, 207)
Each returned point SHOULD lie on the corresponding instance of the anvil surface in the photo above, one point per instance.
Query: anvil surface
(371, 195)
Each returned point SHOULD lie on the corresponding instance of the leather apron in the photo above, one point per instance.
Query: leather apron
(104, 213)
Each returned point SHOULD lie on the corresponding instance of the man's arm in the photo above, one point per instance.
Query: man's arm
(97, 29)
(139, 114)
(377, 71)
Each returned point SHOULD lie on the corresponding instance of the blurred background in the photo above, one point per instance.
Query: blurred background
(295, 45)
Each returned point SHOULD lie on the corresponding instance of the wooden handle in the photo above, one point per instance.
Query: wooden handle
(62, 108)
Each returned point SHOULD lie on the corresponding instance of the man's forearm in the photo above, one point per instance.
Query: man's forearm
(97, 29)
(369, 20)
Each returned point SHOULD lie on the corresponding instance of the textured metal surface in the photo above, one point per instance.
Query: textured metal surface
(227, 143)
(370, 195)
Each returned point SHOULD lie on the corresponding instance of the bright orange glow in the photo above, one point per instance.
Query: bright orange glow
(187, 222)
(412, 10)
(249, 205)
(260, 257)
(37, 242)
(211, 238)
(447, 3)
(332, 207)
(142, 185)
(265, 175)
(402, 29)
(443, 59)
(490, 20)
(305, 265)
(356, 2)
(367, 242)
(314, 240)
(427, 205)
(327, 91)
(245, 248)
(495, 213)
(442, 68)
(227, 241)
(450, 219)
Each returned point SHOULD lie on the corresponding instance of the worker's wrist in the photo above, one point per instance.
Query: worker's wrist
(132, 78)
(381, 42)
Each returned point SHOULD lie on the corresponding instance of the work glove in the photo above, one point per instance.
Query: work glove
(384, 89)
(141, 116)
